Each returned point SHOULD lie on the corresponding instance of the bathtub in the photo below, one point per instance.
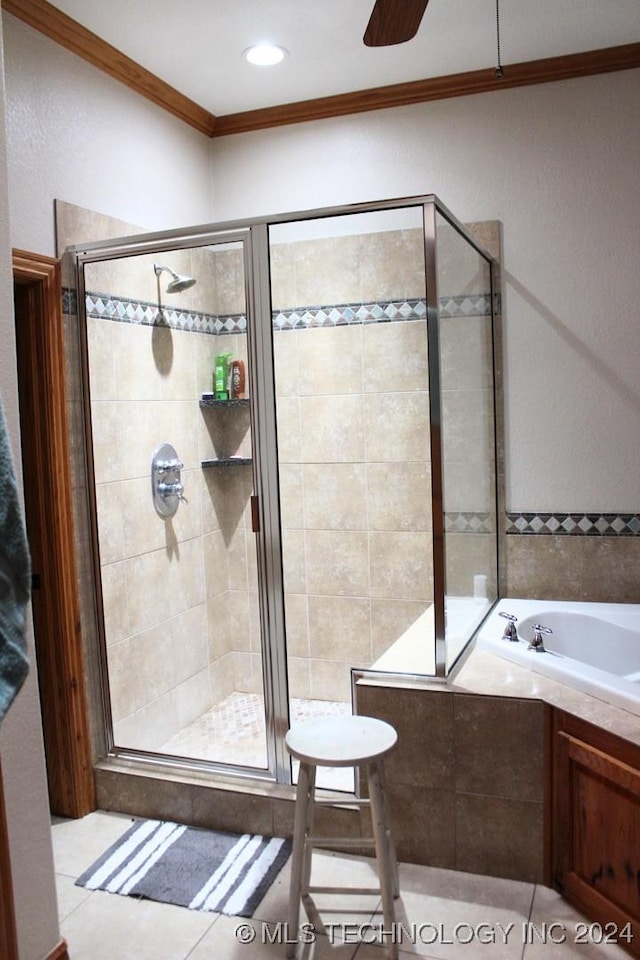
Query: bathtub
(594, 647)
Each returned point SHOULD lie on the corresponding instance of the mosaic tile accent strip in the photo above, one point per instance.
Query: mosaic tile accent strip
(464, 522)
(384, 312)
(101, 305)
(472, 305)
(574, 524)
(349, 313)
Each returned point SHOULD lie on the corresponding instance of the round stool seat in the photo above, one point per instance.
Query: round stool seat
(340, 741)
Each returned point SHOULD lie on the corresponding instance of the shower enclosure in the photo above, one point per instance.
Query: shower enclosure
(334, 512)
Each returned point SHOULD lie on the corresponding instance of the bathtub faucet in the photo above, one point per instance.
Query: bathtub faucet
(537, 643)
(510, 632)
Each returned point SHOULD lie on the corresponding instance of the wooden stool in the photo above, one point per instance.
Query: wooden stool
(341, 742)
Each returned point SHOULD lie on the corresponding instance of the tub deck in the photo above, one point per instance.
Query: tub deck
(606, 636)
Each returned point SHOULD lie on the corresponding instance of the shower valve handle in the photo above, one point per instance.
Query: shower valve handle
(166, 484)
(166, 466)
(174, 489)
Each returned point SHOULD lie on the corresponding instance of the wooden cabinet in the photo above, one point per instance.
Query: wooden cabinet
(596, 824)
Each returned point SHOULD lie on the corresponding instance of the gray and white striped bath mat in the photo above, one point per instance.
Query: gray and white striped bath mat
(190, 867)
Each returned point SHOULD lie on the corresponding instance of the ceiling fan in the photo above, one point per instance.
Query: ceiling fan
(393, 21)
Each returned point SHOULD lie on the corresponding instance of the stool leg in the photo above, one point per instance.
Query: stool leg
(300, 855)
(386, 871)
(308, 847)
(391, 845)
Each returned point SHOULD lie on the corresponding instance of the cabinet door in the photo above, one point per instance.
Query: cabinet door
(597, 832)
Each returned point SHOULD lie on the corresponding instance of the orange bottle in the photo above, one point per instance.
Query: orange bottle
(237, 380)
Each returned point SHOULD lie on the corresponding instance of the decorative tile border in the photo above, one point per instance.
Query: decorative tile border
(574, 524)
(469, 522)
(141, 312)
(470, 305)
(122, 310)
(547, 524)
(349, 313)
(382, 312)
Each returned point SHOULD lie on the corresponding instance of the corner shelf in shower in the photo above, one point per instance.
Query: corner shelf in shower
(227, 462)
(208, 400)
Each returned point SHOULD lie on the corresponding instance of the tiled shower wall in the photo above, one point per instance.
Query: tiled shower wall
(353, 430)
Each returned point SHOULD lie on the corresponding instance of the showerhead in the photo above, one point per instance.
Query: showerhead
(178, 283)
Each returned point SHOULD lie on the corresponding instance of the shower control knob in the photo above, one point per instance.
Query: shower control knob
(166, 466)
(166, 484)
(174, 489)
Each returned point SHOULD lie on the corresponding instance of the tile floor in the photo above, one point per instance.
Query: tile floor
(441, 914)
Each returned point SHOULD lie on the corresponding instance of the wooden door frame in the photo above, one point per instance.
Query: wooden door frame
(48, 497)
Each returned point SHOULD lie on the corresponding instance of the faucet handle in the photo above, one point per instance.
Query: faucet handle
(510, 632)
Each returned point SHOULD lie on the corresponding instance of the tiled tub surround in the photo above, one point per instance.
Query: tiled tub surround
(466, 782)
(590, 557)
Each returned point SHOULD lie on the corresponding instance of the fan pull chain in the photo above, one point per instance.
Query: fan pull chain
(499, 72)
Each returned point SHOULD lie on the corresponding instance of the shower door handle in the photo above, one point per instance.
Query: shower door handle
(255, 514)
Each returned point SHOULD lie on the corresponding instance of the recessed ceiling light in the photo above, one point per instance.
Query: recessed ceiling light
(264, 54)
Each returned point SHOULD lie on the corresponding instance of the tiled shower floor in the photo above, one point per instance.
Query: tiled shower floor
(234, 732)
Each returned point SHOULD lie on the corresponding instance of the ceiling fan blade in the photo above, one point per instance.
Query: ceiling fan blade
(394, 21)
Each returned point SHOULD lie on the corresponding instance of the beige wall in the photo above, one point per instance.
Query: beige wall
(92, 142)
(569, 205)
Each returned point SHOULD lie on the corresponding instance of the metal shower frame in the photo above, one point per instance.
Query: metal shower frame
(254, 236)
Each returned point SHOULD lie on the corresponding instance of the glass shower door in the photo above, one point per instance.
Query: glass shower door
(351, 383)
(175, 551)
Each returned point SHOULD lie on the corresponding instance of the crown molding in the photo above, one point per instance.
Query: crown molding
(50, 21)
(566, 67)
(56, 25)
